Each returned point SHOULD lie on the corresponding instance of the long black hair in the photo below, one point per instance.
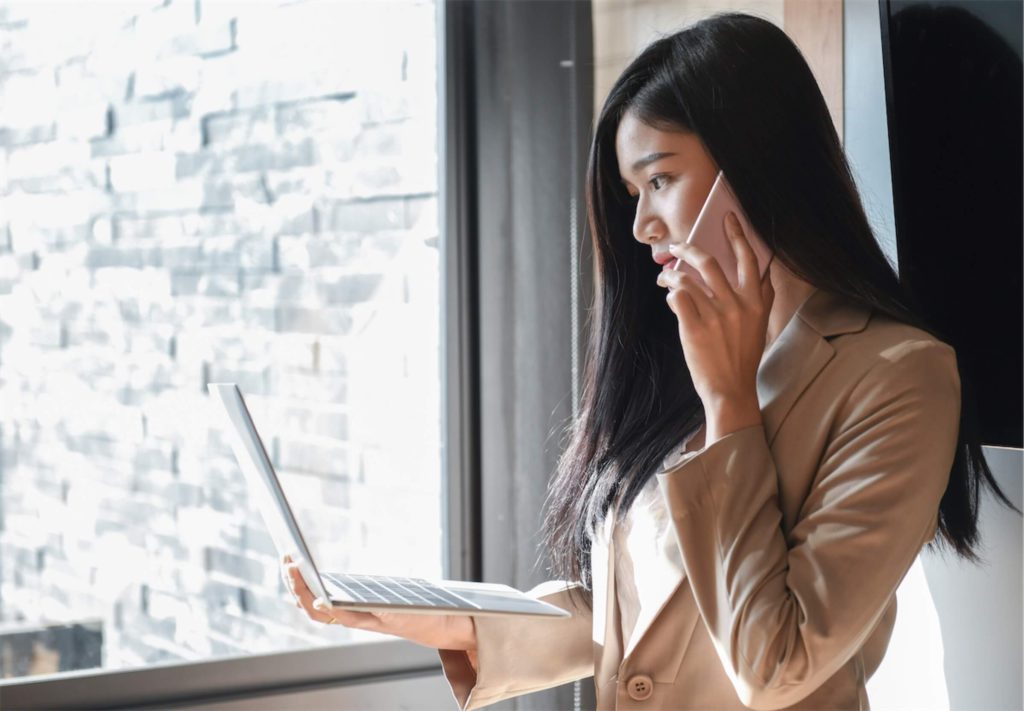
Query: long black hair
(744, 88)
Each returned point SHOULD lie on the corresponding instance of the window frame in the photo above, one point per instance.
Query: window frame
(224, 678)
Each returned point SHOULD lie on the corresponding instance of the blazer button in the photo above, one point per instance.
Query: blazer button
(640, 687)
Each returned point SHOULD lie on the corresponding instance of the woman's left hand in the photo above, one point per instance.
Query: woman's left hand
(722, 332)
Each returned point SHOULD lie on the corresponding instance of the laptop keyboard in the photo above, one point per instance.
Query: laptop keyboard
(397, 590)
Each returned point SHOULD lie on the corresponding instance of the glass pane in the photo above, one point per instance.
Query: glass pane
(200, 192)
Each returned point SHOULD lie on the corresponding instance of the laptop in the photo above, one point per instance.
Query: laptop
(354, 591)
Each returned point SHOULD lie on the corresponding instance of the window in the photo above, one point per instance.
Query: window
(198, 192)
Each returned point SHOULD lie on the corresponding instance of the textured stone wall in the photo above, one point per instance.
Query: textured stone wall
(194, 192)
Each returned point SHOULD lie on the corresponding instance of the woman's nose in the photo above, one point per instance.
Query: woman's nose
(646, 227)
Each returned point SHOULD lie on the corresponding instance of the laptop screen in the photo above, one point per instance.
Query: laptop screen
(264, 486)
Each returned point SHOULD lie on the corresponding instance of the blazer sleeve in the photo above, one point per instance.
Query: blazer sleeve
(519, 654)
(784, 616)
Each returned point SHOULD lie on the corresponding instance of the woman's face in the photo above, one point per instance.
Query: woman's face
(670, 174)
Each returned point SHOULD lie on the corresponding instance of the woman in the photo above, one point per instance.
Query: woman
(766, 460)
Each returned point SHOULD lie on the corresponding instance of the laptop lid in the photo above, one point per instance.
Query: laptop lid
(265, 486)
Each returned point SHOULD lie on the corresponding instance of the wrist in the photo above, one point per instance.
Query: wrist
(727, 415)
(465, 635)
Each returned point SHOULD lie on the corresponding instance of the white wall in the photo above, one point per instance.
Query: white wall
(980, 606)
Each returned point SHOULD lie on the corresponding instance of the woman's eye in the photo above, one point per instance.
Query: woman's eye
(656, 182)
(655, 179)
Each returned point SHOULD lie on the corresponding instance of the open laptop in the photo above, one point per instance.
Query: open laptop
(349, 590)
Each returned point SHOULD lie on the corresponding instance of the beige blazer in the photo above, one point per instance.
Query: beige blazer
(793, 535)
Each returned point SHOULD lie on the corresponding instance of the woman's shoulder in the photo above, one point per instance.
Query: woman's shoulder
(867, 337)
(886, 343)
(891, 358)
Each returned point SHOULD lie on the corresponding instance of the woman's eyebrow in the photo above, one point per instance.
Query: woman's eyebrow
(647, 160)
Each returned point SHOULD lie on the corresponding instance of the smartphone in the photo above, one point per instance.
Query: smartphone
(709, 234)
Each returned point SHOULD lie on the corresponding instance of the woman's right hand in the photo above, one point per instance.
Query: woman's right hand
(437, 631)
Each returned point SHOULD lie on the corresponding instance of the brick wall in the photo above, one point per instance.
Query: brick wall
(194, 192)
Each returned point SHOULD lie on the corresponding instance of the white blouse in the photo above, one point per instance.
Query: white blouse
(645, 534)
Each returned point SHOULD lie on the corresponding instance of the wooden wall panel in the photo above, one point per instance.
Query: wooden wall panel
(623, 27)
(817, 28)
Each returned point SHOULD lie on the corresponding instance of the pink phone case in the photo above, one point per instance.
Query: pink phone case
(708, 234)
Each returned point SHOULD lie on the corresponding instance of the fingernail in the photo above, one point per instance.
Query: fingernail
(319, 603)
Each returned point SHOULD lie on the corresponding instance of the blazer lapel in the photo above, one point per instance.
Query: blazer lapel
(800, 351)
(789, 365)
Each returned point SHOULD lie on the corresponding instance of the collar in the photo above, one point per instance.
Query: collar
(801, 350)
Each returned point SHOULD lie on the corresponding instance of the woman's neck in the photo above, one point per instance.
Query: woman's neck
(790, 292)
